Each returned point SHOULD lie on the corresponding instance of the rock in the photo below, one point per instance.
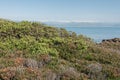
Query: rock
(111, 44)
(41, 64)
(111, 40)
(94, 68)
(95, 72)
(30, 63)
(70, 73)
(50, 76)
(44, 59)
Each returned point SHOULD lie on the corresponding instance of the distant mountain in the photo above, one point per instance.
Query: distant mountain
(82, 24)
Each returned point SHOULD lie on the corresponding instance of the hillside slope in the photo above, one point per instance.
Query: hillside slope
(35, 51)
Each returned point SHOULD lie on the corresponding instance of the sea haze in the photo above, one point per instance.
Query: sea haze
(96, 31)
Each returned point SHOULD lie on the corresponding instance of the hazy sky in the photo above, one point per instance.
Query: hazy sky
(61, 10)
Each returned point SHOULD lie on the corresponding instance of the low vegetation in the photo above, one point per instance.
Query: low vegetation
(35, 51)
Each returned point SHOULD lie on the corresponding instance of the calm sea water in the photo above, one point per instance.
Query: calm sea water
(97, 33)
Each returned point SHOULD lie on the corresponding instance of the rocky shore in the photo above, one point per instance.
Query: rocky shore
(116, 40)
(111, 43)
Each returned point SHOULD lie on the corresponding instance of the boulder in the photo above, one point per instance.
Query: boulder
(30, 63)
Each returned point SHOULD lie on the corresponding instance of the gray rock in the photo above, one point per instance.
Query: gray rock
(94, 71)
(50, 76)
(30, 63)
(41, 64)
(94, 68)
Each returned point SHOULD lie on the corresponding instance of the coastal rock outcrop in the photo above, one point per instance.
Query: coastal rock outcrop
(111, 43)
(111, 40)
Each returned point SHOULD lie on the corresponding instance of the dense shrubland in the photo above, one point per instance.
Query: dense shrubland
(35, 51)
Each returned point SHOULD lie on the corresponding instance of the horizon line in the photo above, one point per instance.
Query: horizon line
(60, 21)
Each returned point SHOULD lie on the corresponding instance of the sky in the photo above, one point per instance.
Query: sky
(61, 10)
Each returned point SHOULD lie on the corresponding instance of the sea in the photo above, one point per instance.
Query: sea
(96, 32)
